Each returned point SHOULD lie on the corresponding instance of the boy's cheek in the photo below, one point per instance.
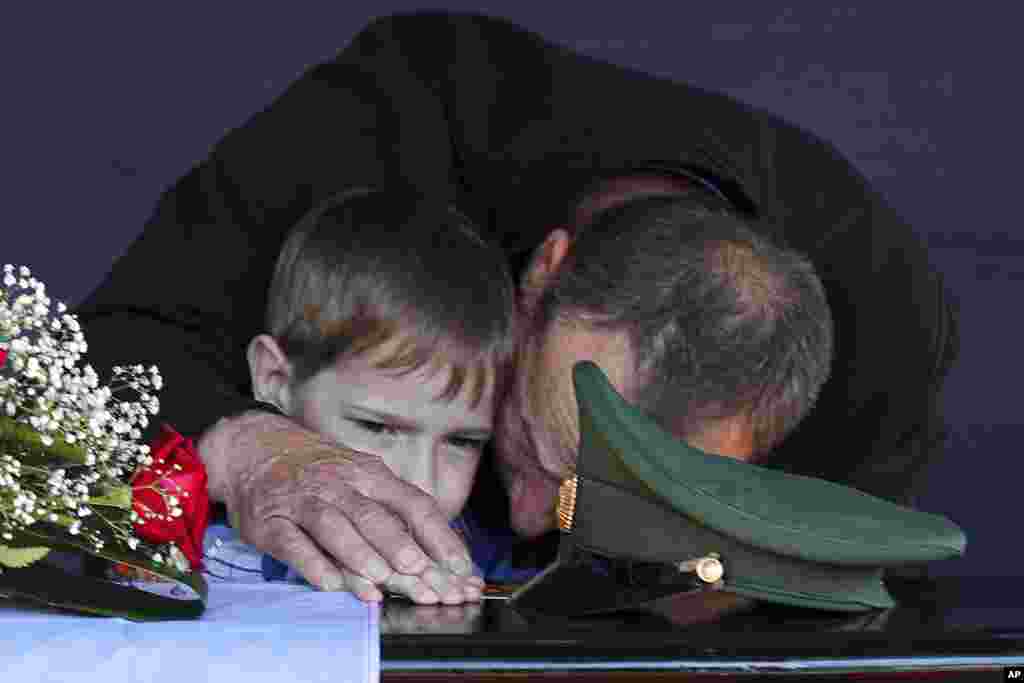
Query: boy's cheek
(456, 484)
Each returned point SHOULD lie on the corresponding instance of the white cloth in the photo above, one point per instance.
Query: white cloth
(252, 631)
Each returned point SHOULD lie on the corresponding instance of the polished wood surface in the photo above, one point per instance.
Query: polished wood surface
(944, 627)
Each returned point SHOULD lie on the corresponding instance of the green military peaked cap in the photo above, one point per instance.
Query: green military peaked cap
(648, 516)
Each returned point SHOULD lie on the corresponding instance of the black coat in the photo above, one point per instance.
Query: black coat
(508, 126)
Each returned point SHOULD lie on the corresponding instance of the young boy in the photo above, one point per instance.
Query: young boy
(389, 329)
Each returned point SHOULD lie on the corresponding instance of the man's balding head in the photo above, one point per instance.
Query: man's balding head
(721, 336)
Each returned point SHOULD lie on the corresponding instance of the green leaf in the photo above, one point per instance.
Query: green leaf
(17, 558)
(21, 439)
(115, 496)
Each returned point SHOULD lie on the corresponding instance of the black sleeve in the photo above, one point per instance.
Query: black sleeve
(480, 111)
(538, 114)
(878, 421)
(523, 136)
(190, 292)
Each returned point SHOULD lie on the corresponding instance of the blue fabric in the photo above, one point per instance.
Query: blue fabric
(492, 551)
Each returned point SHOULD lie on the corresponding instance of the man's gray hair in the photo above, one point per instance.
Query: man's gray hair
(722, 321)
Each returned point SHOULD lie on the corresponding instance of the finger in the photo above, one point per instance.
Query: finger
(473, 591)
(286, 542)
(362, 588)
(382, 527)
(333, 531)
(412, 587)
(451, 589)
(472, 587)
(447, 586)
(429, 527)
(306, 558)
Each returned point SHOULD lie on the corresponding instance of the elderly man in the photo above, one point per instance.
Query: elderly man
(514, 129)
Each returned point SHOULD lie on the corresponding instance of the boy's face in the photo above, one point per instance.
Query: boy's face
(428, 441)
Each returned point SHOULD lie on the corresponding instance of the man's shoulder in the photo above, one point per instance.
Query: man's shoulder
(738, 140)
(437, 44)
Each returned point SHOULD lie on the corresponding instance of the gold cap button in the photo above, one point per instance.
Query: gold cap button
(709, 568)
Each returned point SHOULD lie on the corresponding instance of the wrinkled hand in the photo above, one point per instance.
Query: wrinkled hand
(340, 517)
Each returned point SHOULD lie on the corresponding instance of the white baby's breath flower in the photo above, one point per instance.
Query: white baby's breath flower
(47, 388)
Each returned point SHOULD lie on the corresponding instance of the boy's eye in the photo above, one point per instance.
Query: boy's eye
(382, 428)
(467, 443)
(375, 427)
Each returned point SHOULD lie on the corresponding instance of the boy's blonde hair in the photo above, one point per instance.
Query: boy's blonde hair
(396, 277)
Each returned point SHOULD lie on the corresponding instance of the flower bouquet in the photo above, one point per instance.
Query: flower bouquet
(91, 518)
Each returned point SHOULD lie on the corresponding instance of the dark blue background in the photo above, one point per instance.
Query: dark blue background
(103, 106)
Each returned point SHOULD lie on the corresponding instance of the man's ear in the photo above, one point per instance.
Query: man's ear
(732, 437)
(547, 258)
(270, 371)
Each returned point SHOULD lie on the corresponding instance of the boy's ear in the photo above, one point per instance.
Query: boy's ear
(544, 263)
(270, 371)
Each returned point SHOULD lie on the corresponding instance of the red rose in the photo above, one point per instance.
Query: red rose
(175, 481)
(3, 357)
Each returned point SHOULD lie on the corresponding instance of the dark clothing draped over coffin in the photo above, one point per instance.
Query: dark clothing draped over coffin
(509, 126)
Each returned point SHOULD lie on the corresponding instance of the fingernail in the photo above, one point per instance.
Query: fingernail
(427, 597)
(460, 565)
(409, 559)
(377, 571)
(332, 583)
(475, 580)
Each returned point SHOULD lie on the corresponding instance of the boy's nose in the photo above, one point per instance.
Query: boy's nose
(418, 468)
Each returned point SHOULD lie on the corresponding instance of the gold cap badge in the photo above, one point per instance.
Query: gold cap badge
(566, 504)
